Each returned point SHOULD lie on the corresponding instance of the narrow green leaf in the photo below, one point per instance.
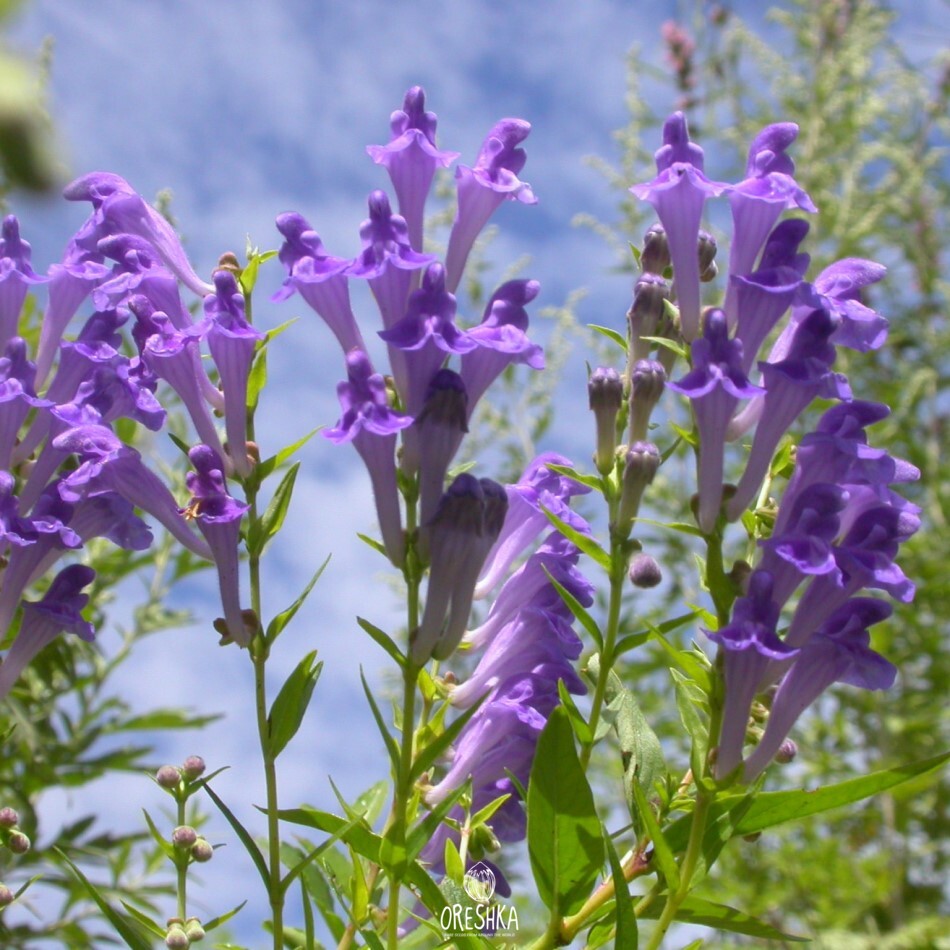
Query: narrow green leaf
(168, 849)
(427, 756)
(146, 921)
(577, 610)
(585, 542)
(257, 377)
(565, 843)
(243, 835)
(588, 481)
(420, 836)
(696, 910)
(123, 926)
(621, 341)
(391, 746)
(290, 706)
(277, 625)
(377, 546)
(687, 661)
(272, 520)
(624, 916)
(484, 815)
(222, 918)
(264, 469)
(695, 727)
(454, 870)
(662, 852)
(580, 725)
(383, 640)
(308, 922)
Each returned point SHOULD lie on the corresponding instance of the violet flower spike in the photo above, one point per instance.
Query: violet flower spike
(17, 396)
(714, 386)
(678, 194)
(839, 288)
(16, 276)
(371, 425)
(60, 610)
(483, 187)
(232, 341)
(411, 158)
(218, 516)
(318, 277)
(501, 339)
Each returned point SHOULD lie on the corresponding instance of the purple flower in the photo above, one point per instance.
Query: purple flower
(426, 333)
(319, 278)
(218, 516)
(641, 464)
(839, 652)
(232, 341)
(371, 425)
(605, 397)
(483, 187)
(17, 396)
(14, 529)
(117, 209)
(501, 338)
(108, 465)
(647, 382)
(16, 276)
(58, 611)
(838, 290)
(714, 386)
(465, 526)
(411, 158)
(112, 393)
(678, 194)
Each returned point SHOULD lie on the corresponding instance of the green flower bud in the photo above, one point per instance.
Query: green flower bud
(201, 851)
(18, 843)
(168, 777)
(193, 767)
(184, 836)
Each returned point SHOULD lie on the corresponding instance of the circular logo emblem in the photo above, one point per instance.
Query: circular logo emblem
(479, 883)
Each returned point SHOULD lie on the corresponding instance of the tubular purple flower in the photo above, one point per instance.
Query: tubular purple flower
(232, 341)
(16, 276)
(371, 425)
(538, 488)
(605, 397)
(838, 288)
(426, 333)
(319, 278)
(483, 187)
(790, 386)
(839, 652)
(767, 190)
(15, 530)
(650, 294)
(748, 642)
(647, 381)
(108, 465)
(641, 464)
(118, 209)
(678, 194)
(463, 530)
(714, 386)
(60, 610)
(218, 516)
(501, 339)
(17, 396)
(411, 158)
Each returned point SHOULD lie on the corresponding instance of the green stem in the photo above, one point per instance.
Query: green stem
(181, 864)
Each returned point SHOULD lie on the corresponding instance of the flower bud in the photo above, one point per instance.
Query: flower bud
(706, 248)
(184, 836)
(202, 851)
(168, 776)
(8, 818)
(193, 930)
(640, 467)
(193, 767)
(605, 394)
(650, 294)
(6, 895)
(646, 386)
(18, 842)
(176, 938)
(656, 250)
(644, 571)
(786, 752)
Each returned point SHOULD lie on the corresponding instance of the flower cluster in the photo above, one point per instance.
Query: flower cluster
(408, 426)
(839, 524)
(66, 476)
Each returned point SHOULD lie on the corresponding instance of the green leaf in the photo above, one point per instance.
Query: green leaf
(588, 481)
(420, 836)
(168, 849)
(621, 341)
(662, 851)
(391, 746)
(696, 910)
(222, 918)
(686, 699)
(383, 640)
(585, 542)
(262, 530)
(287, 712)
(577, 610)
(454, 870)
(146, 921)
(580, 725)
(440, 744)
(625, 917)
(277, 625)
(269, 465)
(123, 927)
(243, 834)
(565, 842)
(695, 668)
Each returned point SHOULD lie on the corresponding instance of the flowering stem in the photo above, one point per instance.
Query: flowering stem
(181, 864)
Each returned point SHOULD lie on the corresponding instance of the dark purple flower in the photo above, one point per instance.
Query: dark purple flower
(839, 652)
(411, 158)
(838, 288)
(16, 276)
(641, 464)
(483, 187)
(678, 194)
(501, 338)
(320, 279)
(58, 611)
(218, 516)
(14, 529)
(111, 393)
(371, 425)
(647, 382)
(17, 396)
(605, 397)
(650, 295)
(714, 386)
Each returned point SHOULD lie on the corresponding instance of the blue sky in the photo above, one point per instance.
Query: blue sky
(245, 109)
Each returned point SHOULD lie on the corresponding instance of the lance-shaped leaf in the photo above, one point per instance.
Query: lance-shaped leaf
(287, 712)
(262, 530)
